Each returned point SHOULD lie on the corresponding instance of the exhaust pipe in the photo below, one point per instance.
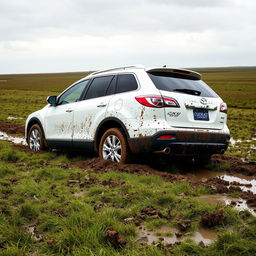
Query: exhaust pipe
(222, 151)
(166, 151)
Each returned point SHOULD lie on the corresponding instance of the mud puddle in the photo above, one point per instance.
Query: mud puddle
(170, 235)
(14, 118)
(246, 183)
(238, 203)
(15, 140)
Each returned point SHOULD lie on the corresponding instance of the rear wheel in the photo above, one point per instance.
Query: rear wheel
(113, 146)
(36, 138)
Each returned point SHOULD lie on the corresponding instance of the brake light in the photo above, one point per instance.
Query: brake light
(223, 107)
(157, 101)
(165, 137)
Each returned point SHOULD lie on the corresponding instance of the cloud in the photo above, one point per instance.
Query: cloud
(145, 31)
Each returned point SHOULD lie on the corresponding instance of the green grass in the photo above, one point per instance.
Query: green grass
(65, 224)
(72, 219)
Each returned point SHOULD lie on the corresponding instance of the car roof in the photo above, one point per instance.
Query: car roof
(133, 68)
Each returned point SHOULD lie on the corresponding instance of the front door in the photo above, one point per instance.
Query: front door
(59, 119)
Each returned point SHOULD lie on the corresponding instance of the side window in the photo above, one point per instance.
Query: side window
(125, 83)
(73, 94)
(112, 87)
(98, 87)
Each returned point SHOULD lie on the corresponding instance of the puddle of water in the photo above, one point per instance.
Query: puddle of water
(204, 235)
(14, 117)
(16, 140)
(247, 183)
(202, 174)
(150, 237)
(240, 204)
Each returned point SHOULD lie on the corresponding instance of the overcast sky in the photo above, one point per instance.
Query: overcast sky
(80, 35)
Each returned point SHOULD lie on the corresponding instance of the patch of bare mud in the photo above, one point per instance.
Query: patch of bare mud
(11, 128)
(236, 165)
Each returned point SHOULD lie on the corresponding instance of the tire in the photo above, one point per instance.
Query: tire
(113, 146)
(36, 138)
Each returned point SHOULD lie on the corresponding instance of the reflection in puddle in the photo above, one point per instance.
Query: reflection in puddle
(14, 118)
(206, 235)
(238, 203)
(202, 174)
(247, 183)
(16, 140)
(169, 235)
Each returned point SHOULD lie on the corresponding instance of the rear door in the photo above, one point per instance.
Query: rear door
(199, 104)
(92, 109)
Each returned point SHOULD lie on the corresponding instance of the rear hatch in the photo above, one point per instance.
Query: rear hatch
(198, 104)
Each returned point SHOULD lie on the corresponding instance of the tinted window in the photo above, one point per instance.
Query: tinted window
(112, 87)
(73, 94)
(165, 82)
(98, 87)
(125, 83)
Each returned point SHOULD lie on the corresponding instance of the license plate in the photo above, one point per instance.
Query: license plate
(201, 114)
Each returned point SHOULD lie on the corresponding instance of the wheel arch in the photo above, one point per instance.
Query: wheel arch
(32, 121)
(110, 122)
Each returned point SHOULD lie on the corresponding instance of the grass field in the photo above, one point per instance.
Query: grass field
(48, 206)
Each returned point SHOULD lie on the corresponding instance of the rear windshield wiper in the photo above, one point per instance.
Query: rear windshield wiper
(188, 91)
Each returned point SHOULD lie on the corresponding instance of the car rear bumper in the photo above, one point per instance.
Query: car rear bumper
(182, 142)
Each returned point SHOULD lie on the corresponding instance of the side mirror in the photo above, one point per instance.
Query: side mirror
(52, 100)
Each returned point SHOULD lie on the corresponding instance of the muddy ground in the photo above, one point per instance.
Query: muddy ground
(164, 166)
(12, 128)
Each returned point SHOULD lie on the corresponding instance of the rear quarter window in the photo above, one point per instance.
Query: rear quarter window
(98, 87)
(126, 83)
(166, 82)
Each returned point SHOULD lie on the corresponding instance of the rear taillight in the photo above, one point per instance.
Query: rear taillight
(223, 107)
(157, 101)
(165, 137)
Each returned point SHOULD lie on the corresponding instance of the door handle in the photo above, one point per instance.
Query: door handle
(69, 110)
(102, 105)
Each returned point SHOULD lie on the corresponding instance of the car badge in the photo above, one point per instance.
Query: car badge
(203, 101)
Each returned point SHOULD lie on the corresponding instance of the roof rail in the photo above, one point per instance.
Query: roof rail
(118, 68)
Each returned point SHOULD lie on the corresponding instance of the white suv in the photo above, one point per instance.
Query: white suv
(127, 110)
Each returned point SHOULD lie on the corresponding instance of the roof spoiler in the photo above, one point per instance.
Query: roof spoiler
(181, 73)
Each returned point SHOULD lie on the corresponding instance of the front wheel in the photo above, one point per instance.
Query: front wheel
(36, 138)
(113, 146)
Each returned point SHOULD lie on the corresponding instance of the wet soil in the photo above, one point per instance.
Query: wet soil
(239, 177)
(169, 235)
(113, 237)
(236, 165)
(12, 128)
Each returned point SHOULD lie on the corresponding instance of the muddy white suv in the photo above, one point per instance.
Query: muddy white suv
(121, 111)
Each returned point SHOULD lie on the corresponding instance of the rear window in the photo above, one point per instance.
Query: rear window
(166, 82)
